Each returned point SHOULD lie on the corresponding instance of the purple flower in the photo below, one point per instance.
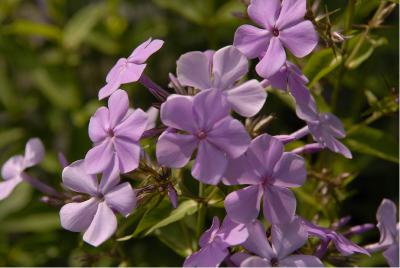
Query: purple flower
(220, 71)
(389, 230)
(344, 245)
(115, 132)
(286, 239)
(270, 172)
(283, 25)
(129, 70)
(95, 216)
(152, 115)
(203, 122)
(215, 241)
(13, 169)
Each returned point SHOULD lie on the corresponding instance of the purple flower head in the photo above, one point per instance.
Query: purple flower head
(95, 216)
(215, 241)
(389, 229)
(342, 244)
(220, 71)
(13, 169)
(204, 123)
(286, 239)
(115, 132)
(129, 70)
(282, 26)
(270, 172)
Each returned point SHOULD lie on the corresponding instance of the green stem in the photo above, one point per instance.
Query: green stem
(201, 214)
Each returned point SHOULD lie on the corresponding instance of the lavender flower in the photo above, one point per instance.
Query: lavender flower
(115, 132)
(283, 25)
(215, 241)
(270, 172)
(95, 216)
(220, 71)
(203, 122)
(389, 229)
(286, 239)
(13, 169)
(128, 70)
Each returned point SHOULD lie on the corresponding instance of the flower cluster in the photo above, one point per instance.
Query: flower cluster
(199, 122)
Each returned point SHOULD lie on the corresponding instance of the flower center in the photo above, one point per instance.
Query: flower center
(275, 31)
(201, 135)
(274, 262)
(100, 197)
(111, 133)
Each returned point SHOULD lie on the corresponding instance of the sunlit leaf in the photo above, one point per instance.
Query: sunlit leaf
(320, 64)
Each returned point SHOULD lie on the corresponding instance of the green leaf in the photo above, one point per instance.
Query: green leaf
(40, 222)
(18, 199)
(80, 25)
(26, 27)
(320, 64)
(185, 208)
(374, 142)
(365, 50)
(10, 136)
(174, 237)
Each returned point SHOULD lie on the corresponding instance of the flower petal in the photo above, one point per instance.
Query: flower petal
(257, 242)
(300, 39)
(290, 171)
(109, 89)
(99, 124)
(264, 152)
(205, 117)
(210, 163)
(118, 105)
(193, 70)
(131, 72)
(230, 136)
(13, 167)
(255, 261)
(243, 205)
(77, 217)
(386, 216)
(34, 152)
(6, 187)
(301, 261)
(145, 50)
(177, 112)
(102, 227)
(292, 12)
(238, 258)
(273, 59)
(209, 234)
(251, 41)
(152, 115)
(175, 150)
(287, 238)
(248, 98)
(76, 179)
(264, 13)
(128, 153)
(132, 126)
(306, 108)
(392, 255)
(233, 233)
(279, 204)
(121, 198)
(333, 125)
(229, 66)
(99, 157)
(209, 256)
(239, 171)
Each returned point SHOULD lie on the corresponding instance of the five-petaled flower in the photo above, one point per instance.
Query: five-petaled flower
(203, 122)
(13, 169)
(128, 70)
(215, 242)
(270, 172)
(95, 216)
(283, 25)
(220, 71)
(115, 132)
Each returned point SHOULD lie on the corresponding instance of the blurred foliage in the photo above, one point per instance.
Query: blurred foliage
(54, 56)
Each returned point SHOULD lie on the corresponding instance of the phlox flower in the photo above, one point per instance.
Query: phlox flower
(115, 132)
(220, 71)
(215, 241)
(201, 122)
(13, 169)
(285, 239)
(270, 172)
(282, 26)
(128, 70)
(95, 216)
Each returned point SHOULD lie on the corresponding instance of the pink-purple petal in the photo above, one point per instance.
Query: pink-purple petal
(386, 216)
(300, 39)
(177, 112)
(239, 171)
(251, 41)
(77, 217)
(279, 204)
(7, 186)
(99, 157)
(13, 167)
(209, 256)
(292, 12)
(118, 105)
(243, 205)
(132, 126)
(301, 261)
(392, 255)
(121, 198)
(193, 70)
(255, 261)
(210, 233)
(128, 153)
(233, 233)
(99, 124)
(264, 12)
(131, 72)
(257, 241)
(272, 60)
(290, 171)
(145, 50)
(76, 179)
(34, 152)
(102, 227)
